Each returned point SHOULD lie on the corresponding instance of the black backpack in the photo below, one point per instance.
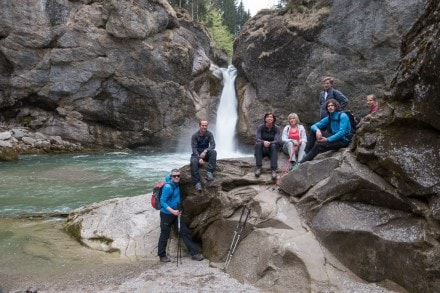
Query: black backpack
(354, 121)
(157, 193)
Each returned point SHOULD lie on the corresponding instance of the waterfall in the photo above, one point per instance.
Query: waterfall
(227, 115)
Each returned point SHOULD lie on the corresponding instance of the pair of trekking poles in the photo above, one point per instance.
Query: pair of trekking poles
(245, 212)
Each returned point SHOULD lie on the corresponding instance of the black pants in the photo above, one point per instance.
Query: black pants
(166, 222)
(211, 158)
(317, 147)
(271, 152)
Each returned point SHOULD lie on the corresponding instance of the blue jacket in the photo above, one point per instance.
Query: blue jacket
(170, 195)
(339, 126)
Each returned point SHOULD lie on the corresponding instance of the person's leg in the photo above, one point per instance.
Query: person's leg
(273, 155)
(259, 154)
(301, 152)
(166, 222)
(288, 149)
(211, 158)
(184, 234)
(321, 147)
(310, 142)
(194, 165)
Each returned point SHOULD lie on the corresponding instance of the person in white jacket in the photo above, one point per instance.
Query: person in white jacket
(294, 139)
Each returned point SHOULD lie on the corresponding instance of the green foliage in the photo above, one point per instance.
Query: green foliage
(223, 18)
(218, 31)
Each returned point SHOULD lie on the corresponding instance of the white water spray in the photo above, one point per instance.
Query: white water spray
(227, 115)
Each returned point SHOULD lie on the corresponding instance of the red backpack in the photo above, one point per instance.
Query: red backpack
(157, 193)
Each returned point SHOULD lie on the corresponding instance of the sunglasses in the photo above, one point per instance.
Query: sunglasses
(175, 176)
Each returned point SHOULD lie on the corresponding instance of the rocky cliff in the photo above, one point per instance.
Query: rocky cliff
(106, 73)
(282, 56)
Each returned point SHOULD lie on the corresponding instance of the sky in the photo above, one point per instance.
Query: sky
(255, 5)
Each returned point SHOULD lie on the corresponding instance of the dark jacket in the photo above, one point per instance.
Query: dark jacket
(332, 94)
(200, 143)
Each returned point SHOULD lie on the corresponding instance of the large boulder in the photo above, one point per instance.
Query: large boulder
(368, 227)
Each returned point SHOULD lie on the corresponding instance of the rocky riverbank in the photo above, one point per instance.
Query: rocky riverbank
(22, 140)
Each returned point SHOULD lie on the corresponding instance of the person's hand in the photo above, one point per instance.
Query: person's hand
(323, 139)
(202, 155)
(318, 135)
(266, 143)
(201, 162)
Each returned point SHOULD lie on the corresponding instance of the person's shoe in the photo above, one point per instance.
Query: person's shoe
(293, 166)
(209, 176)
(198, 186)
(165, 259)
(258, 172)
(274, 175)
(197, 257)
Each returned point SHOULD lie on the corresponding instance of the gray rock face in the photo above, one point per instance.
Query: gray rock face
(105, 73)
(282, 56)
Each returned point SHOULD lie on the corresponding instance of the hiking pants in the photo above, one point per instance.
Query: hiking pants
(288, 150)
(166, 222)
(271, 152)
(321, 147)
(210, 157)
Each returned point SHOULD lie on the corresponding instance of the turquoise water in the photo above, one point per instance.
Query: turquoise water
(44, 184)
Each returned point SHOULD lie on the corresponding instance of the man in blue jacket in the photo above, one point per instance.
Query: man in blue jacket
(337, 134)
(169, 213)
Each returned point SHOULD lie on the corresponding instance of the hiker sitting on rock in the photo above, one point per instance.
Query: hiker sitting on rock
(294, 139)
(203, 150)
(169, 213)
(336, 136)
(267, 138)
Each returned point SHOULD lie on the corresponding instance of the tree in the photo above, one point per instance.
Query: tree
(219, 32)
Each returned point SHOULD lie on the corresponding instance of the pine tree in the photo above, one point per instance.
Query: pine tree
(219, 32)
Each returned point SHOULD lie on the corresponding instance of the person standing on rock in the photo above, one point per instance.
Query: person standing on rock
(203, 150)
(267, 144)
(330, 93)
(337, 132)
(169, 213)
(294, 139)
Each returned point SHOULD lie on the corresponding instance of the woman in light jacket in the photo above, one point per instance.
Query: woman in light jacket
(294, 139)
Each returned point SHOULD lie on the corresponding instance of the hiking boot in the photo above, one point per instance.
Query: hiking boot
(198, 186)
(258, 172)
(274, 175)
(209, 176)
(293, 166)
(165, 259)
(197, 257)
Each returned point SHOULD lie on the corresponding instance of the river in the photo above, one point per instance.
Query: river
(37, 191)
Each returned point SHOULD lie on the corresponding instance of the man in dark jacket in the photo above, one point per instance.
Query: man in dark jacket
(203, 150)
(169, 216)
(330, 93)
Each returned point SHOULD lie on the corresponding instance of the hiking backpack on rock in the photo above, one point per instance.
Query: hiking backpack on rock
(157, 193)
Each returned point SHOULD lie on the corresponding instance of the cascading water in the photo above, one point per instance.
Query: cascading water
(227, 115)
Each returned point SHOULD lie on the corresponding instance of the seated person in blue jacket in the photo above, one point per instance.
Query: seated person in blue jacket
(267, 138)
(336, 136)
(203, 150)
(170, 213)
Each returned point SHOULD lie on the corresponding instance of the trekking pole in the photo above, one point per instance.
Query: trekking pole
(237, 234)
(179, 244)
